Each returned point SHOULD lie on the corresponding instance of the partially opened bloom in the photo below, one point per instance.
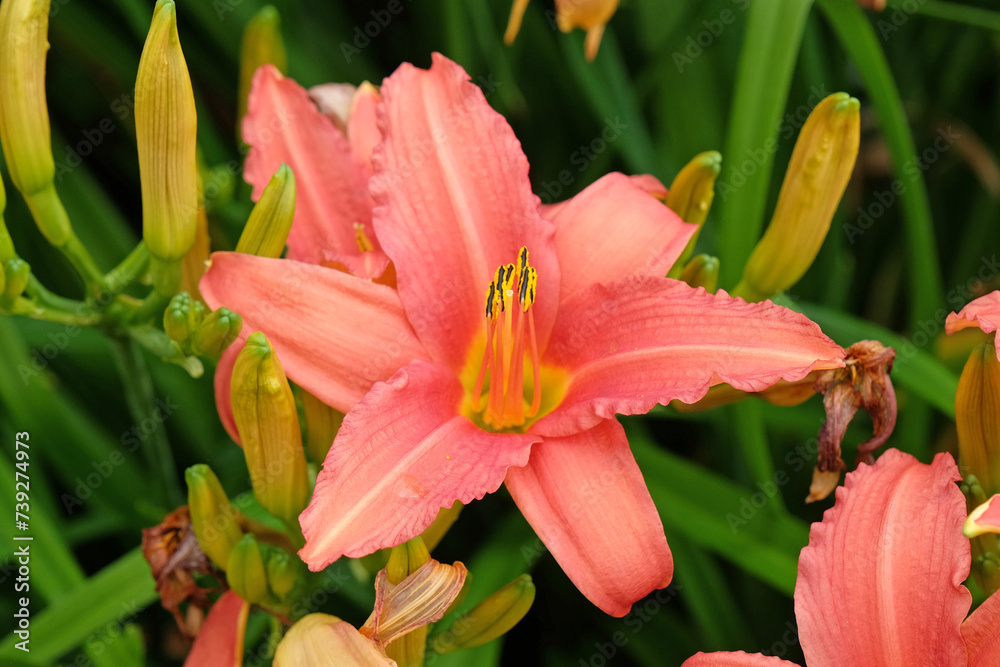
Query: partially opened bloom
(220, 642)
(881, 580)
(507, 348)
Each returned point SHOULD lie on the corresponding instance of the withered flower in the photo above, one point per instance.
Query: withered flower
(863, 382)
(173, 554)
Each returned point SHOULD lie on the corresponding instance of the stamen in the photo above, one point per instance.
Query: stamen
(364, 243)
(513, 285)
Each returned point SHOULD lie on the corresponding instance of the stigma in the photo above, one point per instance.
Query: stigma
(510, 335)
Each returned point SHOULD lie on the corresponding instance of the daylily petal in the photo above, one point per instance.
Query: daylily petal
(642, 341)
(421, 598)
(980, 634)
(321, 640)
(335, 334)
(454, 203)
(585, 497)
(283, 125)
(734, 659)
(362, 125)
(984, 519)
(983, 312)
(646, 182)
(881, 580)
(402, 454)
(220, 642)
(612, 230)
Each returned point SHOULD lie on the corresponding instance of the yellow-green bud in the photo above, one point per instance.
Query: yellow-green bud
(490, 619)
(213, 518)
(262, 44)
(271, 218)
(702, 271)
(405, 559)
(216, 332)
(977, 417)
(282, 573)
(817, 176)
(181, 318)
(6, 244)
(268, 425)
(322, 424)
(24, 115)
(439, 528)
(16, 273)
(166, 126)
(245, 571)
(691, 196)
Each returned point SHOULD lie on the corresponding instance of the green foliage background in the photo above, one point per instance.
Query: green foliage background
(676, 77)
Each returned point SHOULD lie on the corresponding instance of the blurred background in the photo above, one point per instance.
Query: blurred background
(916, 237)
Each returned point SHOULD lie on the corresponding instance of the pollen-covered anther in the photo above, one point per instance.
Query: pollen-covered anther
(364, 243)
(510, 334)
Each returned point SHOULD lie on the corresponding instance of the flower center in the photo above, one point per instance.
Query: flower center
(364, 243)
(510, 335)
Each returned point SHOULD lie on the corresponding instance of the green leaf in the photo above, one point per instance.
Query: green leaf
(858, 39)
(770, 48)
(95, 612)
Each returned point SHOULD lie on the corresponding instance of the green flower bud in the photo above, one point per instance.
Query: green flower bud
(271, 218)
(245, 571)
(490, 619)
(282, 573)
(181, 318)
(691, 196)
(16, 273)
(216, 332)
(702, 271)
(268, 425)
(212, 516)
(261, 45)
(166, 133)
(817, 176)
(405, 559)
(322, 424)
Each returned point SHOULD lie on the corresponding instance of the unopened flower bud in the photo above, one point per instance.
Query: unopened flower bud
(262, 45)
(490, 619)
(245, 571)
(16, 273)
(24, 115)
(322, 423)
(977, 416)
(271, 218)
(268, 426)
(282, 572)
(181, 318)
(691, 195)
(817, 176)
(166, 133)
(702, 271)
(216, 332)
(212, 516)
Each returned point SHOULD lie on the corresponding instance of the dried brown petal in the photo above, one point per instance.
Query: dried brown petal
(174, 556)
(862, 383)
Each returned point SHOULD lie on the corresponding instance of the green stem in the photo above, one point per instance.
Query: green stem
(33, 310)
(130, 269)
(752, 437)
(46, 299)
(80, 258)
(141, 398)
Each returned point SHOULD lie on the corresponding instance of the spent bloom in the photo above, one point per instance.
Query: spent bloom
(880, 582)
(504, 344)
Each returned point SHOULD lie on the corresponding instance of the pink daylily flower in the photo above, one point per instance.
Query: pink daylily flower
(880, 582)
(509, 345)
(983, 312)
